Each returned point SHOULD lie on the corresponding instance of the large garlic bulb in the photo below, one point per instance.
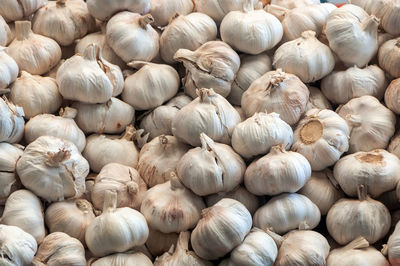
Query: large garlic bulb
(391, 96)
(9, 155)
(286, 212)
(158, 243)
(279, 92)
(222, 227)
(116, 229)
(12, 10)
(104, 9)
(294, 3)
(33, 53)
(393, 246)
(389, 56)
(186, 32)
(8, 69)
(25, 210)
(212, 168)
(371, 123)
(6, 35)
(351, 218)
(352, 34)
(131, 36)
(128, 258)
(213, 65)
(342, 86)
(53, 169)
(163, 10)
(317, 100)
(322, 136)
(11, 121)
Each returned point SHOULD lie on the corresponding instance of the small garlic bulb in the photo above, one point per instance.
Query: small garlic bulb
(116, 229)
(25, 210)
(163, 11)
(342, 86)
(389, 56)
(294, 3)
(117, 259)
(104, 9)
(287, 211)
(53, 169)
(9, 155)
(393, 246)
(371, 123)
(186, 32)
(158, 243)
(212, 168)
(131, 36)
(12, 10)
(11, 121)
(322, 136)
(391, 96)
(33, 53)
(213, 65)
(221, 228)
(269, 94)
(317, 100)
(8, 69)
(351, 218)
(6, 36)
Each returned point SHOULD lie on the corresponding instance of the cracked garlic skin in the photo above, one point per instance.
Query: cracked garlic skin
(118, 259)
(393, 246)
(11, 121)
(389, 57)
(164, 11)
(6, 36)
(9, 155)
(105, 9)
(12, 10)
(8, 69)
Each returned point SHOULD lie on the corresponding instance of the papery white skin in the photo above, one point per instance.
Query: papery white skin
(158, 243)
(294, 3)
(133, 259)
(391, 96)
(394, 246)
(8, 69)
(9, 155)
(11, 121)
(317, 100)
(104, 9)
(163, 11)
(6, 35)
(389, 56)
(12, 10)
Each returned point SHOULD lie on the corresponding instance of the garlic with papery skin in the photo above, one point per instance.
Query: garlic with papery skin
(294, 3)
(351, 218)
(116, 229)
(317, 100)
(221, 228)
(269, 93)
(393, 246)
(391, 96)
(9, 155)
(341, 86)
(33, 53)
(158, 243)
(212, 168)
(11, 121)
(104, 9)
(53, 169)
(394, 146)
(371, 123)
(131, 36)
(286, 212)
(12, 10)
(322, 136)
(212, 65)
(163, 11)
(5, 33)
(132, 259)
(8, 69)
(389, 56)
(24, 209)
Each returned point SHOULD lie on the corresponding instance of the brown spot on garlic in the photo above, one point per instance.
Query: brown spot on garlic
(311, 132)
(371, 158)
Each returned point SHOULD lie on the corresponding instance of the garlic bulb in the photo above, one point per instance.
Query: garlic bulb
(251, 31)
(6, 35)
(33, 53)
(8, 69)
(251, 68)
(342, 86)
(104, 149)
(389, 199)
(59, 248)
(24, 209)
(36, 94)
(163, 11)
(269, 94)
(150, 86)
(393, 246)
(210, 114)
(322, 136)
(133, 259)
(158, 243)
(394, 146)
(53, 169)
(286, 212)
(391, 96)
(221, 228)
(389, 56)
(104, 9)
(352, 34)
(159, 158)
(317, 100)
(12, 10)
(64, 21)
(89, 78)
(116, 229)
(213, 65)
(187, 32)
(294, 3)
(9, 155)
(122, 179)
(351, 218)
(371, 123)
(11, 121)
(131, 36)
(210, 169)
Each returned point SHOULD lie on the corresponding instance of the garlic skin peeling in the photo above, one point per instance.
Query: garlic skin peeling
(8, 69)
(389, 56)
(9, 155)
(6, 35)
(11, 121)
(104, 9)
(164, 11)
(132, 259)
(12, 10)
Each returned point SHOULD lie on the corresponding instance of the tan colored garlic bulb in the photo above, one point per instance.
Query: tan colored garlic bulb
(11, 121)
(8, 69)
(342, 86)
(287, 211)
(393, 246)
(53, 169)
(317, 100)
(104, 9)
(116, 229)
(268, 94)
(212, 168)
(371, 123)
(294, 3)
(9, 155)
(163, 11)
(6, 35)
(394, 145)
(322, 136)
(128, 258)
(351, 218)
(389, 56)
(212, 65)
(158, 243)
(26, 44)
(391, 96)
(64, 21)
(12, 10)
(131, 36)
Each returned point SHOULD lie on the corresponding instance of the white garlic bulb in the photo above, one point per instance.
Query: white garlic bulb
(322, 136)
(8, 69)
(210, 114)
(286, 212)
(317, 100)
(342, 86)
(212, 65)
(12, 10)
(131, 36)
(104, 9)
(53, 169)
(158, 243)
(163, 11)
(6, 35)
(116, 229)
(212, 168)
(389, 56)
(33, 53)
(294, 3)
(150, 86)
(117, 259)
(391, 96)
(9, 155)
(221, 228)
(351, 218)
(11, 121)
(371, 123)
(393, 246)
(269, 94)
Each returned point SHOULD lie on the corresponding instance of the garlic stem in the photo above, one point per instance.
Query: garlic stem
(277, 238)
(130, 131)
(183, 241)
(110, 201)
(362, 193)
(278, 11)
(278, 149)
(138, 64)
(92, 52)
(308, 34)
(163, 139)
(358, 243)
(248, 6)
(145, 20)
(55, 158)
(23, 30)
(355, 120)
(175, 182)
(133, 187)
(68, 112)
(83, 205)
(371, 24)
(184, 54)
